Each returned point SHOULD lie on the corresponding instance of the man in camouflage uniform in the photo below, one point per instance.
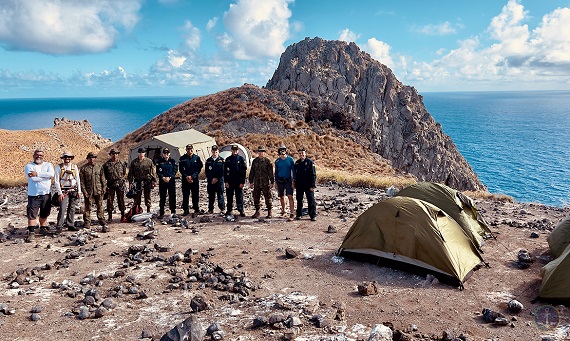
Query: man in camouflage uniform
(142, 176)
(115, 173)
(93, 185)
(261, 180)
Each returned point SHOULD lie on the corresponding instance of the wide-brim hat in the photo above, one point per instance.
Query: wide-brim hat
(113, 151)
(91, 155)
(67, 154)
(261, 149)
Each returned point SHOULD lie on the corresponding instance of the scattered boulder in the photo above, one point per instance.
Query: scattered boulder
(367, 288)
(515, 306)
(188, 330)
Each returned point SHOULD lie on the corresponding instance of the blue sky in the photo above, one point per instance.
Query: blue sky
(69, 48)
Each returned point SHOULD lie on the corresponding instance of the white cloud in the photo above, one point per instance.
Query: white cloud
(192, 37)
(65, 26)
(256, 28)
(348, 36)
(520, 57)
(438, 30)
(211, 24)
(379, 50)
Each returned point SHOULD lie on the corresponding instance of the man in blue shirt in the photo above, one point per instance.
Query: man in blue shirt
(166, 169)
(284, 176)
(190, 167)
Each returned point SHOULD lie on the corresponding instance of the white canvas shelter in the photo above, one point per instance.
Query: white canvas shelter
(226, 151)
(176, 142)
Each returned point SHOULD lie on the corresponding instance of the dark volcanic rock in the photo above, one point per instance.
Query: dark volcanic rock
(358, 93)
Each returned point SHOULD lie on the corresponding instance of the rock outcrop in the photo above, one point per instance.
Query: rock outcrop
(363, 95)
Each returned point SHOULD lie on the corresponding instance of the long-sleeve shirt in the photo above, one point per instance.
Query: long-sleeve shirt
(215, 168)
(92, 180)
(190, 165)
(306, 175)
(142, 170)
(40, 184)
(67, 177)
(261, 173)
(235, 170)
(166, 168)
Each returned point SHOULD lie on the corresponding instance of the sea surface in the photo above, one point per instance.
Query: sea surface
(516, 142)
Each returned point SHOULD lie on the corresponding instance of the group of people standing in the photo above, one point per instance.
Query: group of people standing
(112, 179)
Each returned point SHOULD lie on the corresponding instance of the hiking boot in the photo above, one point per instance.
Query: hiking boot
(44, 230)
(102, 222)
(110, 217)
(256, 214)
(105, 229)
(269, 214)
(241, 214)
(30, 237)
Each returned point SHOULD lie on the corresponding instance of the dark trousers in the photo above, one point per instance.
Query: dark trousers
(120, 193)
(146, 189)
(163, 188)
(66, 215)
(310, 201)
(238, 192)
(186, 189)
(257, 191)
(216, 190)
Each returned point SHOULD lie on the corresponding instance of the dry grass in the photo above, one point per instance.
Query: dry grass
(363, 180)
(487, 195)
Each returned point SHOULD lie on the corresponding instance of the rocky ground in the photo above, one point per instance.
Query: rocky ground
(271, 279)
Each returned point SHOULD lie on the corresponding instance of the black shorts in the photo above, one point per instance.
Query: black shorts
(286, 188)
(39, 204)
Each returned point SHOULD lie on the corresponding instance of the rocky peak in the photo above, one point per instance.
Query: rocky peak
(365, 96)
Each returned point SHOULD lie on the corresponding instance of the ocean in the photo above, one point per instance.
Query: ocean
(514, 141)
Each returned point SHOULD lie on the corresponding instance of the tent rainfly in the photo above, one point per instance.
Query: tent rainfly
(415, 236)
(176, 142)
(556, 274)
(459, 206)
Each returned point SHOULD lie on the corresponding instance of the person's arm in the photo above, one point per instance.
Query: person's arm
(78, 180)
(103, 180)
(56, 183)
(313, 175)
(252, 171)
(292, 163)
(174, 168)
(198, 169)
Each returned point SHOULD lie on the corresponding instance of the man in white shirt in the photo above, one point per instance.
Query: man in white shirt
(68, 187)
(39, 175)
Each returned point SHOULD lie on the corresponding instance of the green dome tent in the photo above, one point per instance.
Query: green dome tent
(556, 274)
(556, 278)
(559, 238)
(456, 204)
(412, 235)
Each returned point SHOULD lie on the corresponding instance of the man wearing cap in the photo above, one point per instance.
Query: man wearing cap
(166, 169)
(93, 186)
(234, 177)
(215, 178)
(39, 175)
(305, 183)
(284, 176)
(115, 173)
(261, 180)
(68, 186)
(190, 166)
(142, 176)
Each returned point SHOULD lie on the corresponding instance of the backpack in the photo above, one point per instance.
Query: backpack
(130, 213)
